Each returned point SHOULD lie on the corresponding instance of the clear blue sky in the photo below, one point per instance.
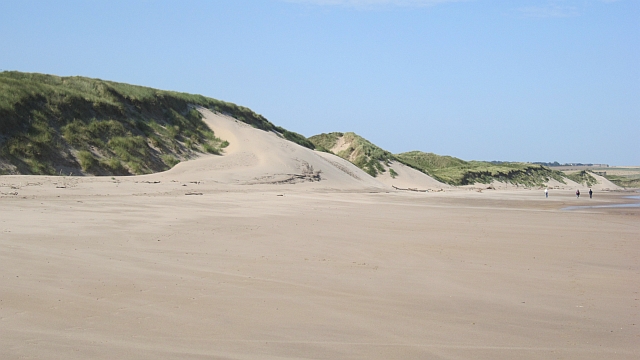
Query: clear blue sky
(530, 80)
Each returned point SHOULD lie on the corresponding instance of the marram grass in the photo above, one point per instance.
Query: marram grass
(447, 169)
(49, 123)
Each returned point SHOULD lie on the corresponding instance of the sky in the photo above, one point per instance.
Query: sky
(519, 80)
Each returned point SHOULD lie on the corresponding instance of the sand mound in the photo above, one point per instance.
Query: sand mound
(603, 183)
(409, 178)
(256, 157)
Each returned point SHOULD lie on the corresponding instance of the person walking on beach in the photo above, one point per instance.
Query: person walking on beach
(590, 193)
(578, 193)
(546, 193)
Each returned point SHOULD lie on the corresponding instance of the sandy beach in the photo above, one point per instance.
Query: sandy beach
(246, 256)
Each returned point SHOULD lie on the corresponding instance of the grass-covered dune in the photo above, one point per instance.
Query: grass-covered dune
(447, 169)
(627, 182)
(581, 177)
(455, 171)
(51, 125)
(356, 149)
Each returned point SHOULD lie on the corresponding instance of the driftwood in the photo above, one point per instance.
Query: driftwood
(409, 189)
(308, 175)
(193, 193)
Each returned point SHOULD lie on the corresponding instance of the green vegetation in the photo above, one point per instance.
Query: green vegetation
(447, 169)
(359, 151)
(113, 165)
(87, 160)
(455, 171)
(294, 137)
(582, 177)
(101, 127)
(326, 141)
(428, 162)
(170, 160)
(625, 181)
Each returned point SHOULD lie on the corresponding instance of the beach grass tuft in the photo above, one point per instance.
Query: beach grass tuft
(360, 151)
(582, 177)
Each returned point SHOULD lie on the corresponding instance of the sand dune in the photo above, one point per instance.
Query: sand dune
(603, 183)
(258, 157)
(409, 178)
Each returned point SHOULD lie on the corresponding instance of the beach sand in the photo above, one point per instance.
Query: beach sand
(212, 262)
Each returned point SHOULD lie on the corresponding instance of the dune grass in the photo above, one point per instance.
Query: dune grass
(581, 177)
(626, 181)
(360, 151)
(325, 142)
(87, 160)
(454, 171)
(447, 169)
(50, 122)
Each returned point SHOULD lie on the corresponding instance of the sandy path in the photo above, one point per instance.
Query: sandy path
(317, 275)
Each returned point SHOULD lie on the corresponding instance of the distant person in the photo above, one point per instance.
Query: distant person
(546, 193)
(590, 193)
(578, 193)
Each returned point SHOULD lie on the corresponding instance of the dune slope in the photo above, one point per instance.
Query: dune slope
(375, 161)
(256, 157)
